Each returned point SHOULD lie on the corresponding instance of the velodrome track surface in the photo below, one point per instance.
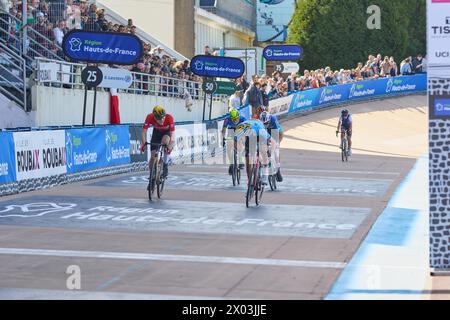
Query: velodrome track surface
(201, 241)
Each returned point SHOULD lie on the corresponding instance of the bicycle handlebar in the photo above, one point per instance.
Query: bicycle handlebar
(154, 144)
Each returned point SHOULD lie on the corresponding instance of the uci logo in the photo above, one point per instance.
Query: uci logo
(442, 54)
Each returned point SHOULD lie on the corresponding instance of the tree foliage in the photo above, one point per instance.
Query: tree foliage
(334, 32)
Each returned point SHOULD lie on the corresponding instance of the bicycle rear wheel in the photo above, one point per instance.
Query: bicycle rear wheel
(160, 181)
(259, 189)
(238, 176)
(250, 189)
(234, 175)
(152, 182)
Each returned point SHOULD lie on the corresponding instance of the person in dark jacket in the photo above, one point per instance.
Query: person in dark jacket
(265, 96)
(253, 97)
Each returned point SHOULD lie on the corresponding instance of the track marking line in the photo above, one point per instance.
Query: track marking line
(173, 258)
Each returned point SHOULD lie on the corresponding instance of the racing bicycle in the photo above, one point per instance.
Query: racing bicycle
(344, 146)
(255, 187)
(157, 180)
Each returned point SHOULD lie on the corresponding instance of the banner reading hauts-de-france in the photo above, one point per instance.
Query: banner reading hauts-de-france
(102, 47)
(7, 158)
(94, 148)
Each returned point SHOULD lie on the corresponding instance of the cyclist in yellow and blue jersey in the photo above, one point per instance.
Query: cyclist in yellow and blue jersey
(231, 122)
(256, 135)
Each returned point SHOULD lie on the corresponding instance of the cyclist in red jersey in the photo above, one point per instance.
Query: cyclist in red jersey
(163, 133)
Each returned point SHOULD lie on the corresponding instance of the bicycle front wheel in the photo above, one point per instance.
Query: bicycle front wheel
(344, 150)
(273, 182)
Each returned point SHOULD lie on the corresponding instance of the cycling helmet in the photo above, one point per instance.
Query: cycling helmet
(345, 112)
(234, 115)
(265, 117)
(159, 112)
(243, 128)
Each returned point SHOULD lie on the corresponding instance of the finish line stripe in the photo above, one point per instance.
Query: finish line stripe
(48, 294)
(174, 258)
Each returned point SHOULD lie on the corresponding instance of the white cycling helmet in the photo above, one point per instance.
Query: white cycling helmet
(265, 117)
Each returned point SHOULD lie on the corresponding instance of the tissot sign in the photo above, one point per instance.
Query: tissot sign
(102, 47)
(439, 33)
(217, 67)
(282, 52)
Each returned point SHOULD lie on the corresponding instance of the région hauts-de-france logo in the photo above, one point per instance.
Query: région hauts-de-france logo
(269, 53)
(31, 210)
(199, 65)
(108, 141)
(69, 150)
(389, 86)
(75, 44)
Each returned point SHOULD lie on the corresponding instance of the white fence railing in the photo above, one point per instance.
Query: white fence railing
(68, 75)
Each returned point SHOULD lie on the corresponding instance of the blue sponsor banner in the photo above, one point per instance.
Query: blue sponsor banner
(334, 94)
(288, 52)
(94, 148)
(217, 67)
(305, 100)
(117, 140)
(386, 86)
(102, 47)
(7, 158)
(442, 108)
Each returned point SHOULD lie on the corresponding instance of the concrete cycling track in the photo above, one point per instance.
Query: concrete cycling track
(200, 242)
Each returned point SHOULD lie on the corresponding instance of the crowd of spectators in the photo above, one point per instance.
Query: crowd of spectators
(54, 19)
(265, 88)
(168, 77)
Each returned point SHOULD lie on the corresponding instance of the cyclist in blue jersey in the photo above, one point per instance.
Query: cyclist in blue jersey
(273, 127)
(255, 134)
(345, 124)
(231, 122)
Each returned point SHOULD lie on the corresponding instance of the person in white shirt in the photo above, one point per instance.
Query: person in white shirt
(58, 32)
(5, 5)
(158, 51)
(235, 100)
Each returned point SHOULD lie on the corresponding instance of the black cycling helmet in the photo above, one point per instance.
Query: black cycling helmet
(345, 112)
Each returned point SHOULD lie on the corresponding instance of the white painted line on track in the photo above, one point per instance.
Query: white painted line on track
(225, 175)
(174, 258)
(300, 170)
(342, 171)
(46, 294)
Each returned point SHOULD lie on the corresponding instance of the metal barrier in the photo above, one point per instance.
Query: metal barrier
(13, 76)
(69, 76)
(27, 41)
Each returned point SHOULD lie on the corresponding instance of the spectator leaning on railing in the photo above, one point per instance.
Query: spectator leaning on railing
(406, 67)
